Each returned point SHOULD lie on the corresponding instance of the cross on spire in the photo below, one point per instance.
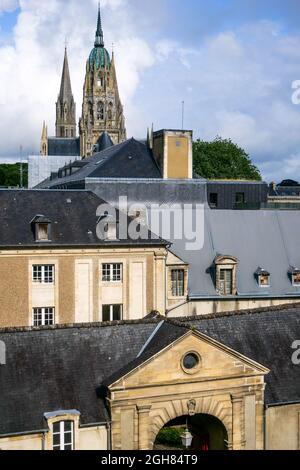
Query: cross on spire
(99, 41)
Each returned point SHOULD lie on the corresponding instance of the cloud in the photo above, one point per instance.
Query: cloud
(236, 82)
(8, 5)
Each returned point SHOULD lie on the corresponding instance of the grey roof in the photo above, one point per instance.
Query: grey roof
(266, 238)
(104, 142)
(65, 367)
(64, 147)
(72, 214)
(130, 159)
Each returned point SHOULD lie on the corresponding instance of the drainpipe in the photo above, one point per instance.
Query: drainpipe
(109, 436)
(44, 441)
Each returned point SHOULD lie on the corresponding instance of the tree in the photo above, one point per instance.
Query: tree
(223, 159)
(10, 175)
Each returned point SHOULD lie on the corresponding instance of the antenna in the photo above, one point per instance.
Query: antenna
(183, 109)
(21, 167)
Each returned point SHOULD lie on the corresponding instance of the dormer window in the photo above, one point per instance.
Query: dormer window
(226, 275)
(42, 228)
(294, 274)
(263, 277)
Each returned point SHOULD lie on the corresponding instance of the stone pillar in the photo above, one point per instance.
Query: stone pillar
(160, 283)
(238, 422)
(144, 423)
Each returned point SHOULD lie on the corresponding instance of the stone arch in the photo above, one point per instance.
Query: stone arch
(174, 409)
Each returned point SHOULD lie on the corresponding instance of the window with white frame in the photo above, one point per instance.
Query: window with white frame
(226, 281)
(43, 316)
(177, 279)
(112, 313)
(63, 435)
(45, 274)
(112, 272)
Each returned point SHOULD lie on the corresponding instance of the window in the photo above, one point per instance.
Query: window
(43, 316)
(43, 273)
(263, 277)
(112, 313)
(296, 278)
(190, 361)
(177, 278)
(63, 435)
(100, 111)
(213, 200)
(264, 280)
(43, 232)
(226, 281)
(178, 143)
(240, 198)
(112, 272)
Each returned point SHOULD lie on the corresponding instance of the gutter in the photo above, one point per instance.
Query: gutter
(244, 297)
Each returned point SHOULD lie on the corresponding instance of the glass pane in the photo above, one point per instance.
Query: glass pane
(68, 447)
(116, 312)
(56, 427)
(56, 439)
(190, 361)
(106, 313)
(68, 426)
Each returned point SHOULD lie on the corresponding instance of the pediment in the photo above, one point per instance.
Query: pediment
(217, 362)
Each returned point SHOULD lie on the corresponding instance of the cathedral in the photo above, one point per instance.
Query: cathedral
(102, 122)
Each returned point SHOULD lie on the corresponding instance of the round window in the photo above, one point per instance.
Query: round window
(190, 361)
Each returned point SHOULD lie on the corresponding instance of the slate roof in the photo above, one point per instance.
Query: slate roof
(266, 238)
(104, 142)
(129, 159)
(64, 147)
(65, 367)
(72, 215)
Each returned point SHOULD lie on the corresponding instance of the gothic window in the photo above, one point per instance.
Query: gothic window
(65, 112)
(110, 112)
(100, 111)
(91, 112)
(99, 81)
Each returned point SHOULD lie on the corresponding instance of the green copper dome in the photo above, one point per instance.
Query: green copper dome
(99, 58)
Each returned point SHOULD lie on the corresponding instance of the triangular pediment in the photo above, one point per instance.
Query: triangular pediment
(216, 362)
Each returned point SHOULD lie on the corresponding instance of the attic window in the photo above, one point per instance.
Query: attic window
(42, 229)
(263, 277)
(226, 275)
(295, 276)
(43, 232)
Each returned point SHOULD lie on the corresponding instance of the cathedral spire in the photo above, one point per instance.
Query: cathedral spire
(65, 106)
(65, 87)
(99, 41)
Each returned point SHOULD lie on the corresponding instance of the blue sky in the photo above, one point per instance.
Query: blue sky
(233, 62)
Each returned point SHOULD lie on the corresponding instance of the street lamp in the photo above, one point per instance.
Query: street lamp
(186, 438)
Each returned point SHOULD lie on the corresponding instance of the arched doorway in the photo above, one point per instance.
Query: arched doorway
(208, 433)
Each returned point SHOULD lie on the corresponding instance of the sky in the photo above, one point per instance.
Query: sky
(233, 63)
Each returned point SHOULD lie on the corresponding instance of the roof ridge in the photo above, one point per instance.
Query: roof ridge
(231, 313)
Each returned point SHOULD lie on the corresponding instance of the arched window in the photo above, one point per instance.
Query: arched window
(110, 112)
(100, 111)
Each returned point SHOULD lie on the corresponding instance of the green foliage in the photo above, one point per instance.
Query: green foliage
(170, 436)
(222, 159)
(10, 175)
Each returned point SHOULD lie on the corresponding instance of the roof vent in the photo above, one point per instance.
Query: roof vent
(69, 201)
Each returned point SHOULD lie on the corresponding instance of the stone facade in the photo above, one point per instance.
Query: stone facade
(78, 292)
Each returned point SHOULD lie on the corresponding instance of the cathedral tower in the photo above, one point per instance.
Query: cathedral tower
(65, 106)
(102, 110)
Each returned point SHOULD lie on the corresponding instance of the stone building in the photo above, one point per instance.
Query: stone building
(56, 267)
(102, 110)
(232, 379)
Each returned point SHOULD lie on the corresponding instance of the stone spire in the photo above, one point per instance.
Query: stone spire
(99, 41)
(65, 106)
(65, 87)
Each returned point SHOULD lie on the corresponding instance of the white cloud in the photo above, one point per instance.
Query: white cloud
(8, 5)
